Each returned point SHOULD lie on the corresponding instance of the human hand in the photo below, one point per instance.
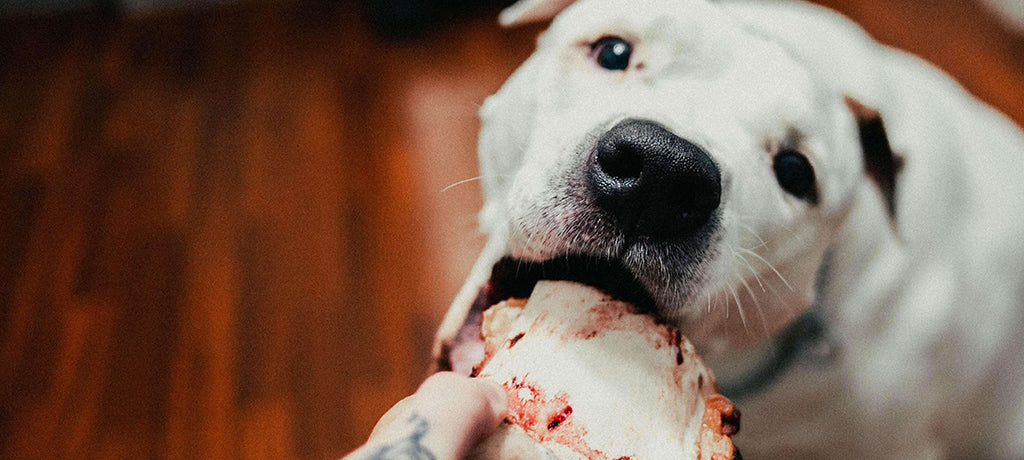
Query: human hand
(446, 417)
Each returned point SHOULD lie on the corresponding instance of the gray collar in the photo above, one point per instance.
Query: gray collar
(805, 337)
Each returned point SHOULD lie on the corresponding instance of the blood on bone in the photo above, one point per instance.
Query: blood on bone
(675, 339)
(601, 318)
(607, 316)
(559, 418)
(547, 418)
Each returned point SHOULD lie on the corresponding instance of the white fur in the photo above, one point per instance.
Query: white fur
(927, 313)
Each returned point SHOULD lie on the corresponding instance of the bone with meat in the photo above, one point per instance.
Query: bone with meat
(590, 377)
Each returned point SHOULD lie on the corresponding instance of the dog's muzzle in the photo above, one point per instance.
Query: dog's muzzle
(652, 183)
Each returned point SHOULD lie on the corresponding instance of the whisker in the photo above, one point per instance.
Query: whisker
(772, 267)
(776, 295)
(529, 240)
(739, 306)
(792, 232)
(751, 267)
(471, 179)
(757, 304)
(761, 242)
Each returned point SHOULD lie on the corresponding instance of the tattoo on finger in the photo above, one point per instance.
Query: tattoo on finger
(408, 447)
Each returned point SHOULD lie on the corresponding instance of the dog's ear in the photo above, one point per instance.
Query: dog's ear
(526, 11)
(881, 164)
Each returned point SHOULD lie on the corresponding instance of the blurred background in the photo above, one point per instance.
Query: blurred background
(226, 227)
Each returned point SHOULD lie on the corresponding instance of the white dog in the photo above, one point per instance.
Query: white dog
(835, 223)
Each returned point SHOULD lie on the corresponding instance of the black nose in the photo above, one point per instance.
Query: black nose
(652, 182)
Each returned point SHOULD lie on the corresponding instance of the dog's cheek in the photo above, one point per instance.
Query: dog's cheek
(507, 120)
(530, 233)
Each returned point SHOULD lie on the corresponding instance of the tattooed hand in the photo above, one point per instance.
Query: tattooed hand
(446, 416)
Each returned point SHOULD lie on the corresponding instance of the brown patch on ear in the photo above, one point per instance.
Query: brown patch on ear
(450, 353)
(880, 162)
(443, 361)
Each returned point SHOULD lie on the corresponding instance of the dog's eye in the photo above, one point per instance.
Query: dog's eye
(612, 53)
(795, 175)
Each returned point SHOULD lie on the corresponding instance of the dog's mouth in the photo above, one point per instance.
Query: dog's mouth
(515, 278)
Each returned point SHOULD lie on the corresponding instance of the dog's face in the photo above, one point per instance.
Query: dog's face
(700, 159)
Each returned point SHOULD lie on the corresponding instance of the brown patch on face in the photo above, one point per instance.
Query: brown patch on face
(880, 162)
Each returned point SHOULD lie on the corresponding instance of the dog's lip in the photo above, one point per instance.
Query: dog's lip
(515, 278)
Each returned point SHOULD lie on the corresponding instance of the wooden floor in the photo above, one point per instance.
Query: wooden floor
(226, 233)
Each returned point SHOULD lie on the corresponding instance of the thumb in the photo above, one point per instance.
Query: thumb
(446, 416)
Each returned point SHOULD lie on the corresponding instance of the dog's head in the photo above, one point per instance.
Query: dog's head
(698, 160)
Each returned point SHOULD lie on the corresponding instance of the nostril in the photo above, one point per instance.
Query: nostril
(651, 182)
(620, 162)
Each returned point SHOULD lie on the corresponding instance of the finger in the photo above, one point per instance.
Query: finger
(442, 420)
(397, 412)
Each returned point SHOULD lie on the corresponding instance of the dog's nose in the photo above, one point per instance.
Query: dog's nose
(652, 182)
